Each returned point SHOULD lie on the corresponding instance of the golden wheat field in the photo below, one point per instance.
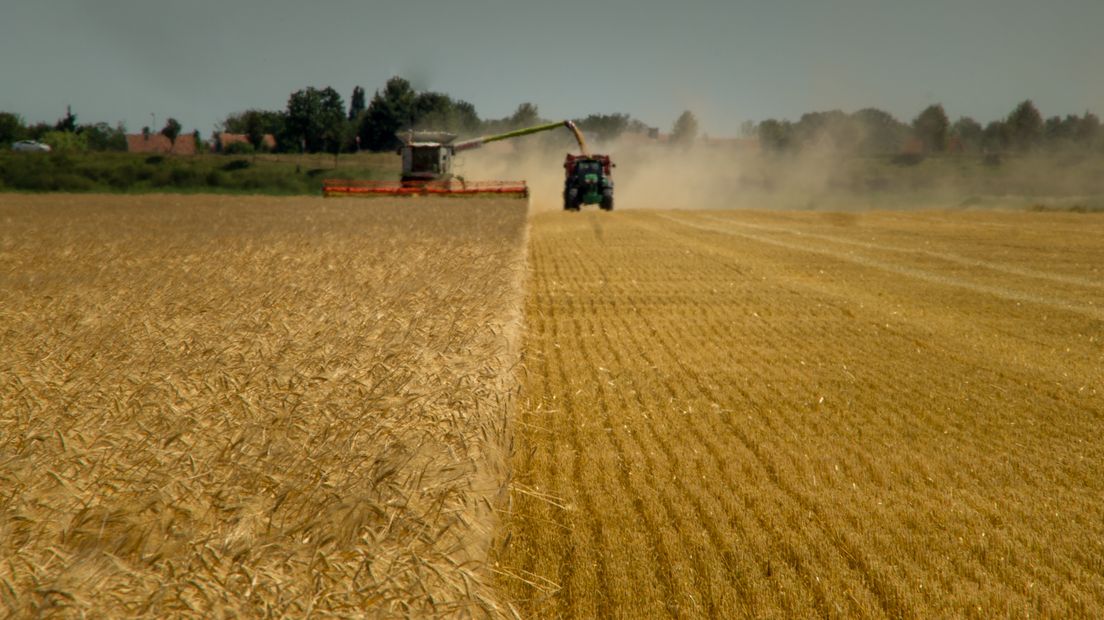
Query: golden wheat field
(792, 415)
(297, 407)
(253, 407)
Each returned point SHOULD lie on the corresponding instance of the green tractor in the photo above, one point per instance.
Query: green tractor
(588, 181)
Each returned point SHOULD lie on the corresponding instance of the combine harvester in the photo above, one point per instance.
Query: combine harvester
(427, 170)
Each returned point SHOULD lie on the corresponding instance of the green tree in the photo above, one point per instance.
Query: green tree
(389, 112)
(931, 127)
(356, 103)
(255, 130)
(11, 128)
(36, 131)
(995, 137)
(526, 115)
(437, 111)
(775, 136)
(467, 120)
(68, 122)
(640, 127)
(65, 141)
(271, 121)
(685, 130)
(315, 119)
(879, 132)
(604, 127)
(1059, 131)
(969, 133)
(1025, 126)
(1087, 132)
(200, 143)
(334, 123)
(171, 130)
(104, 137)
(832, 129)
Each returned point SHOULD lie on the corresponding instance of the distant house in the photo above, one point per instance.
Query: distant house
(225, 139)
(157, 144)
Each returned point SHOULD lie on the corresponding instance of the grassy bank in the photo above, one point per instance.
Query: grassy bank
(138, 173)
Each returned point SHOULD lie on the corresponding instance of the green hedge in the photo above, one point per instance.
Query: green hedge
(131, 172)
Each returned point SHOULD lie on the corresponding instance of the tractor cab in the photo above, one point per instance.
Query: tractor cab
(588, 180)
(591, 169)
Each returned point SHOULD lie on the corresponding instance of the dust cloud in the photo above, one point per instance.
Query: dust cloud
(725, 174)
(646, 176)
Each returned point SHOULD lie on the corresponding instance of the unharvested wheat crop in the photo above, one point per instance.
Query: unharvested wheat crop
(266, 407)
(731, 414)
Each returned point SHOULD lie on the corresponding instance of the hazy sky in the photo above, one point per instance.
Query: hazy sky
(198, 60)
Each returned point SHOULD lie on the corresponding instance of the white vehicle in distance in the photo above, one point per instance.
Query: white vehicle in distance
(30, 146)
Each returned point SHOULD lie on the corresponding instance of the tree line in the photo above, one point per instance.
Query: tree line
(68, 135)
(872, 131)
(316, 120)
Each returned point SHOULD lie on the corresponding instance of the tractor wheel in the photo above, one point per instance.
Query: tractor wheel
(571, 200)
(607, 201)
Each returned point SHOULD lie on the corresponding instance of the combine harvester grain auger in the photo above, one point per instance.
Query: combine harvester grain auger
(427, 167)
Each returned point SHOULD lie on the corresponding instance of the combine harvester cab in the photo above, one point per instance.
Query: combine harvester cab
(427, 158)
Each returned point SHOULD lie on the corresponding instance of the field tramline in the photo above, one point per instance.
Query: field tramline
(732, 414)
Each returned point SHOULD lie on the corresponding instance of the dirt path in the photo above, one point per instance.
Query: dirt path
(733, 413)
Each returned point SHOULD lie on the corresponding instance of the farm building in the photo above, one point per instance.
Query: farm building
(155, 143)
(225, 139)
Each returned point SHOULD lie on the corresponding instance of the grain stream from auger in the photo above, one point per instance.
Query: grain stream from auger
(791, 414)
(253, 407)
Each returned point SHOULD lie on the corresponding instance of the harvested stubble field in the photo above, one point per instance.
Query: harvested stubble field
(216, 407)
(731, 414)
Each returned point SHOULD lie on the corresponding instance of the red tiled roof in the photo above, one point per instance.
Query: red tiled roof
(226, 139)
(159, 144)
